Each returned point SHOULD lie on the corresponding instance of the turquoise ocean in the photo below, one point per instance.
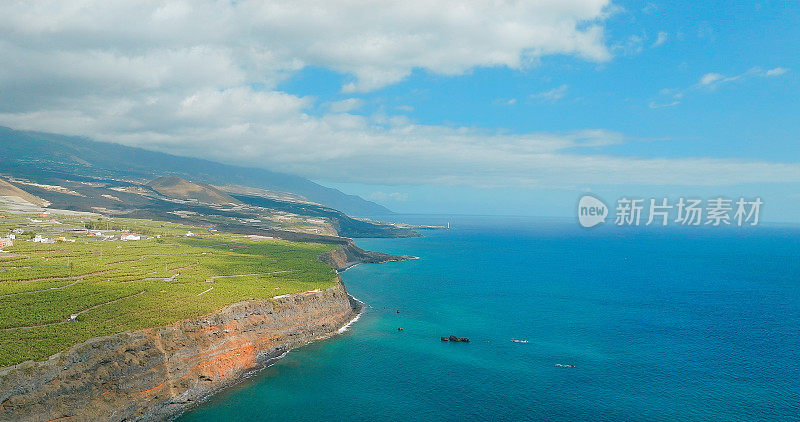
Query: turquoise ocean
(661, 324)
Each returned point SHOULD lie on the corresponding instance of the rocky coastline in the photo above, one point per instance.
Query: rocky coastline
(158, 373)
(348, 255)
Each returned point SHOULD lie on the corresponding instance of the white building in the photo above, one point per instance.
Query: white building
(40, 239)
(130, 237)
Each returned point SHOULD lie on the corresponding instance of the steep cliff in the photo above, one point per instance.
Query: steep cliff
(157, 373)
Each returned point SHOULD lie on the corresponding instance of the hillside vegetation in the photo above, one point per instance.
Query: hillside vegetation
(59, 294)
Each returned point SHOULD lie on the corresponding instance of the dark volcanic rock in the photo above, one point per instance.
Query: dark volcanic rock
(348, 254)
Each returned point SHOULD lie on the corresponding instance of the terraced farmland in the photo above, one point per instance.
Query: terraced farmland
(55, 295)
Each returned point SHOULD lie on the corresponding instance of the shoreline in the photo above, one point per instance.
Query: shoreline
(161, 373)
(348, 255)
(164, 372)
(362, 308)
(331, 259)
(270, 362)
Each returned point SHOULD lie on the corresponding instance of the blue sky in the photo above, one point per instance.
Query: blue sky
(451, 107)
(657, 46)
(751, 117)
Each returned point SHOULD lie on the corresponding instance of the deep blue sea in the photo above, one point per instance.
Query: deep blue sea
(667, 324)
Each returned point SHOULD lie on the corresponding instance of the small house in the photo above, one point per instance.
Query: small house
(40, 239)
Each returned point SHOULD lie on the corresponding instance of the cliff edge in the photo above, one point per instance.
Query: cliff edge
(157, 373)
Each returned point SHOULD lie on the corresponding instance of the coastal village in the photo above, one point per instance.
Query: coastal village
(27, 218)
(45, 228)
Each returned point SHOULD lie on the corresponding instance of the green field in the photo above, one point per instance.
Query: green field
(56, 295)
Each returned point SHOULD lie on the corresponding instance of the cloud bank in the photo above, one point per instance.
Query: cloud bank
(199, 78)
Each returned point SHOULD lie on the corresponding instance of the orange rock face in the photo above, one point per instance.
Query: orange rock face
(156, 373)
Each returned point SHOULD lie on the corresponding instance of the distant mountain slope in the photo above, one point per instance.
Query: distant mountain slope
(175, 187)
(7, 189)
(344, 225)
(199, 205)
(22, 151)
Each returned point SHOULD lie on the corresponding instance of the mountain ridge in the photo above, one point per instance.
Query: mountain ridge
(86, 157)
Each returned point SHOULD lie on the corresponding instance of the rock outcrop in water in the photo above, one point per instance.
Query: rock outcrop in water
(455, 339)
(157, 373)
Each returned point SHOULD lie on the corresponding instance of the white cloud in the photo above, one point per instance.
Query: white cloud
(712, 81)
(346, 105)
(654, 104)
(198, 78)
(650, 8)
(776, 71)
(632, 45)
(552, 95)
(154, 43)
(711, 78)
(505, 101)
(386, 150)
(661, 38)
